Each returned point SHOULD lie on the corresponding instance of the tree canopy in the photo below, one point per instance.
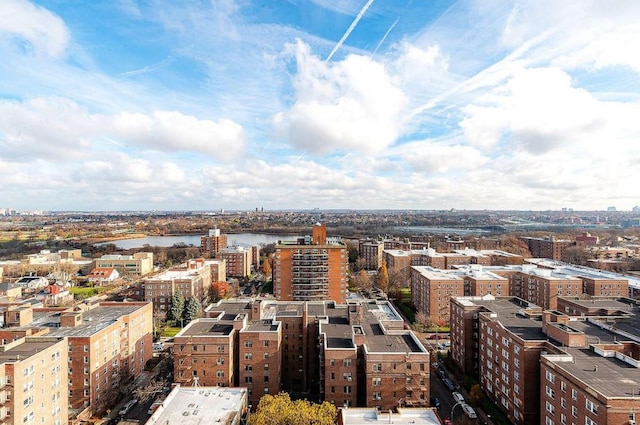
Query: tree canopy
(281, 410)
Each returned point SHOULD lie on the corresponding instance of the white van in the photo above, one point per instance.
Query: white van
(459, 398)
(469, 411)
(125, 409)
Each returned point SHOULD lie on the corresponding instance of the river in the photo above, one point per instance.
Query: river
(241, 239)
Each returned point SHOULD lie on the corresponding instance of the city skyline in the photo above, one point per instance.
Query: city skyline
(363, 104)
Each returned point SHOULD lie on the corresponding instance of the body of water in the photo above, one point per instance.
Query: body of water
(241, 239)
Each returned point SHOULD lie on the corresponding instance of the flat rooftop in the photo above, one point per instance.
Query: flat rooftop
(415, 416)
(394, 343)
(93, 320)
(25, 349)
(432, 273)
(207, 327)
(201, 405)
(610, 376)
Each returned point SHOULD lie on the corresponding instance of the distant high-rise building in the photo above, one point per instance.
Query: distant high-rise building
(311, 268)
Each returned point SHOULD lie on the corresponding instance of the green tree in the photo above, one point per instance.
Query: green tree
(192, 310)
(177, 307)
(281, 410)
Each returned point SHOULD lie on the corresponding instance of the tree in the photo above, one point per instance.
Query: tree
(476, 395)
(423, 321)
(362, 281)
(383, 278)
(217, 291)
(266, 267)
(177, 307)
(281, 410)
(192, 310)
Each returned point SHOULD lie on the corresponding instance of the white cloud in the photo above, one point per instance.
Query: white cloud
(58, 128)
(43, 31)
(351, 105)
(174, 131)
(536, 110)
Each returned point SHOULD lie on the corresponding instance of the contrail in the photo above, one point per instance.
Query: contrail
(351, 28)
(385, 36)
(149, 68)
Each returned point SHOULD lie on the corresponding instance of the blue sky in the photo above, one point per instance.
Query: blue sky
(363, 104)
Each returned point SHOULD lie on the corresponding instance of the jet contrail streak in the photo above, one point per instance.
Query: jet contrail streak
(385, 35)
(351, 27)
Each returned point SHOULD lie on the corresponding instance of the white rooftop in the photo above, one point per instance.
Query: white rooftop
(416, 416)
(200, 405)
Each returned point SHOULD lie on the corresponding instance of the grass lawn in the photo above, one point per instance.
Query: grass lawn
(86, 292)
(170, 332)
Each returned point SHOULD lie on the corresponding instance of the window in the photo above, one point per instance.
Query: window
(220, 361)
(220, 374)
(589, 421)
(377, 367)
(550, 408)
(346, 362)
(550, 377)
(376, 382)
(248, 379)
(377, 395)
(266, 343)
(591, 407)
(248, 356)
(550, 392)
(248, 344)
(347, 389)
(574, 411)
(574, 394)
(563, 386)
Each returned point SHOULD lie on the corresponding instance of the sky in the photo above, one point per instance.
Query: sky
(113, 105)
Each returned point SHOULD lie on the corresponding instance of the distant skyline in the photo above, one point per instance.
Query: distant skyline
(330, 104)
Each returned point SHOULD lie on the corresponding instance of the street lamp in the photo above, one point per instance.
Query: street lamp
(453, 408)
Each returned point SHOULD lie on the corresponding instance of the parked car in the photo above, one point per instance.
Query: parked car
(435, 402)
(469, 411)
(449, 384)
(158, 346)
(125, 409)
(459, 398)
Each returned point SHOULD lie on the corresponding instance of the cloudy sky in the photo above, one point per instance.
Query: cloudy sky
(293, 104)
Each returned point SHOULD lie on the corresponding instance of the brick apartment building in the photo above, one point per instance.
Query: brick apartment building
(371, 251)
(548, 247)
(106, 342)
(431, 290)
(356, 354)
(211, 244)
(33, 381)
(192, 278)
(238, 260)
(138, 264)
(311, 268)
(218, 270)
(578, 364)
(399, 261)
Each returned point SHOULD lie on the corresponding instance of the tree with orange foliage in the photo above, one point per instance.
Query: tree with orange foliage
(217, 291)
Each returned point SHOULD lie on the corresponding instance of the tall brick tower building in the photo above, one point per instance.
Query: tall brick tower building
(311, 268)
